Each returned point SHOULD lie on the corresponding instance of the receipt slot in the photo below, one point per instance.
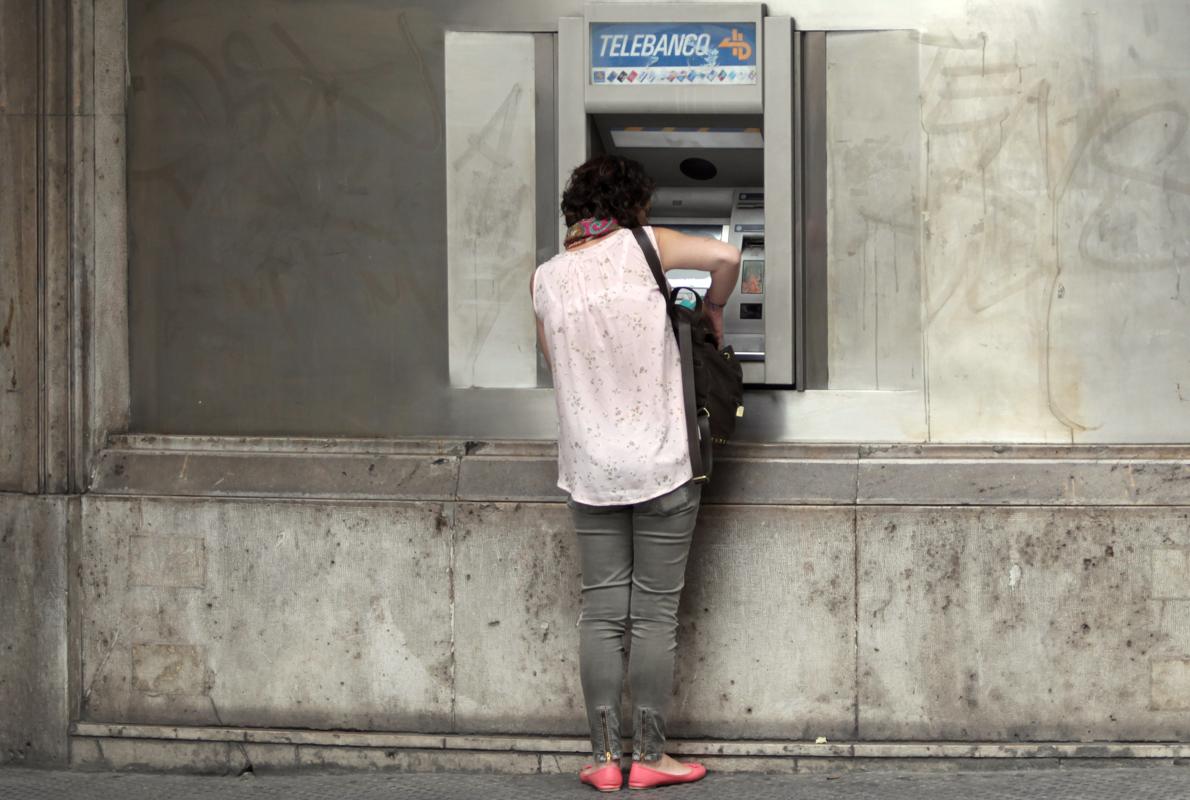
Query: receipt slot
(705, 97)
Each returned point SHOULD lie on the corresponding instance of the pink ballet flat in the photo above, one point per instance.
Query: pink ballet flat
(642, 777)
(607, 778)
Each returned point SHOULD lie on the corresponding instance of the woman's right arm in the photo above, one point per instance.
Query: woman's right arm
(722, 260)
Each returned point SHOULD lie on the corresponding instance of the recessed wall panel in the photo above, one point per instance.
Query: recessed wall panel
(490, 209)
(873, 259)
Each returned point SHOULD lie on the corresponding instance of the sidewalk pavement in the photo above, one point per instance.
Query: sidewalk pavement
(1102, 783)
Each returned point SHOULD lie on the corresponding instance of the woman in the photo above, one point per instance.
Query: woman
(622, 450)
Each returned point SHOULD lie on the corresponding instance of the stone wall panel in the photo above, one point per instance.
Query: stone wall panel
(323, 615)
(1020, 624)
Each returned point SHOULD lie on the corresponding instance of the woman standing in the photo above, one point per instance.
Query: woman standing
(622, 450)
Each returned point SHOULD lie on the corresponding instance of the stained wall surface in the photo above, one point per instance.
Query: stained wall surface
(1023, 190)
(880, 623)
(288, 275)
(33, 628)
(874, 328)
(213, 612)
(1055, 223)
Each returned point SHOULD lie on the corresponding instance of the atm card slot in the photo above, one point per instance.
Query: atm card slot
(748, 347)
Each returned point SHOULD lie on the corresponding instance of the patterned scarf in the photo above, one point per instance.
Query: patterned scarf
(586, 229)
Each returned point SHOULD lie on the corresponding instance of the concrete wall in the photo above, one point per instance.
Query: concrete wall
(1011, 595)
(197, 612)
(63, 254)
(33, 628)
(874, 152)
(852, 606)
(63, 333)
(1008, 213)
(287, 193)
(18, 279)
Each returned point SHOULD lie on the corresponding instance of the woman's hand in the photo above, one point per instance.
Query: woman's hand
(722, 260)
(714, 315)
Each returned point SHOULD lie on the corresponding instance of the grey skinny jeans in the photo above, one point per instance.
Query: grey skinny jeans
(634, 567)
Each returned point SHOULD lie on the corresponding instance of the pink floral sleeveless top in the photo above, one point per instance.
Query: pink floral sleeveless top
(617, 378)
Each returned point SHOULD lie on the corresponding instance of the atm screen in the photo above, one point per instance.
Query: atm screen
(752, 278)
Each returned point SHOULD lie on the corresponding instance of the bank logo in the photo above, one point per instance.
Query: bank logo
(738, 46)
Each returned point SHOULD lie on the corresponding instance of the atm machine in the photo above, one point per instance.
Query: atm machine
(705, 97)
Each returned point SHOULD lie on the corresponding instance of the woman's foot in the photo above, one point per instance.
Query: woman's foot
(662, 772)
(605, 777)
(668, 764)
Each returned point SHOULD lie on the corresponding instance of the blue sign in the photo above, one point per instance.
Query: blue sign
(667, 53)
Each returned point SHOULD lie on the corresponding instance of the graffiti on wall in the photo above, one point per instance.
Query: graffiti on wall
(1040, 176)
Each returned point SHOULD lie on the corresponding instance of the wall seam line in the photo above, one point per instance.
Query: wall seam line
(855, 606)
(40, 282)
(453, 529)
(72, 483)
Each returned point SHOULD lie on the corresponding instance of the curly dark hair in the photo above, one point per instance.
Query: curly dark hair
(608, 187)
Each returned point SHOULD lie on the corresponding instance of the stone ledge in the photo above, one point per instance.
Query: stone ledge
(409, 445)
(746, 474)
(349, 476)
(574, 744)
(1028, 481)
(204, 749)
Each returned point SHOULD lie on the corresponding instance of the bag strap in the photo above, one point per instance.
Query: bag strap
(646, 246)
(698, 425)
(694, 437)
